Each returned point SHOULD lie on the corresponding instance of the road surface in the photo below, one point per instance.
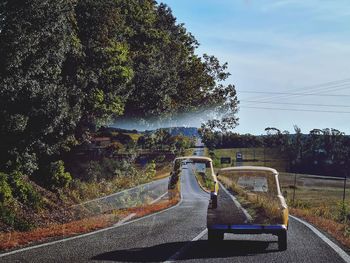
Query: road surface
(167, 236)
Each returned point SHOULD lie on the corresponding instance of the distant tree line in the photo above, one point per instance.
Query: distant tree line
(70, 66)
(161, 139)
(321, 151)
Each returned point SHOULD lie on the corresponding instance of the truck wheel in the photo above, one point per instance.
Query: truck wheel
(282, 241)
(215, 236)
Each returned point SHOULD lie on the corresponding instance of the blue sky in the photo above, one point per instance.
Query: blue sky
(278, 46)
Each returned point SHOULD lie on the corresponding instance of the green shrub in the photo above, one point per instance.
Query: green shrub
(93, 171)
(150, 171)
(125, 169)
(216, 162)
(8, 217)
(5, 190)
(343, 211)
(160, 158)
(24, 191)
(59, 178)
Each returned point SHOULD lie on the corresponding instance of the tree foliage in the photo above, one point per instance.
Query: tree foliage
(69, 66)
(39, 96)
(322, 151)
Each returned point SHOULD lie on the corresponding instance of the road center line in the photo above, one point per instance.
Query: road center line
(125, 219)
(182, 250)
(160, 197)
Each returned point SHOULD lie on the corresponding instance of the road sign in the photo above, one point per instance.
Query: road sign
(225, 160)
(239, 157)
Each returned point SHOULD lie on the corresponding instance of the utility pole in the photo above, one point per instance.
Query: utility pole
(295, 186)
(344, 189)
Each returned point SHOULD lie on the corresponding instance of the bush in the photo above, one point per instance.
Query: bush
(24, 191)
(8, 217)
(58, 177)
(5, 190)
(150, 170)
(104, 169)
(125, 169)
(343, 211)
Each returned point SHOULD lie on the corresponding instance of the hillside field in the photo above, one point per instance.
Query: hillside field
(268, 157)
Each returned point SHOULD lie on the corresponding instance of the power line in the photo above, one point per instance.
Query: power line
(328, 86)
(304, 110)
(297, 104)
(324, 89)
(296, 94)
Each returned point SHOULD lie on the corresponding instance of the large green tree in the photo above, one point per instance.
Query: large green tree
(70, 65)
(39, 76)
(106, 63)
(169, 77)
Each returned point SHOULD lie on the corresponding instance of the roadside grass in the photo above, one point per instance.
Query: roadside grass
(83, 191)
(314, 196)
(163, 172)
(263, 208)
(12, 240)
(205, 180)
(80, 191)
(16, 239)
(322, 196)
(319, 201)
(340, 231)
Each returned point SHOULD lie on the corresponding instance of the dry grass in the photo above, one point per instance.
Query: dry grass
(341, 232)
(204, 178)
(314, 191)
(13, 240)
(163, 172)
(17, 239)
(264, 208)
(161, 205)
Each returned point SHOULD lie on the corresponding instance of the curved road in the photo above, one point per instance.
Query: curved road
(167, 236)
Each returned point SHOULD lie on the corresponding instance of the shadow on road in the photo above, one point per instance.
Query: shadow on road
(196, 250)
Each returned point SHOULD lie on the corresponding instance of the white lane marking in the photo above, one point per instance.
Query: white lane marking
(182, 250)
(125, 219)
(249, 218)
(160, 197)
(334, 246)
(92, 233)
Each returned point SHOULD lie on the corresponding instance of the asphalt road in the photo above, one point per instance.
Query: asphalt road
(160, 237)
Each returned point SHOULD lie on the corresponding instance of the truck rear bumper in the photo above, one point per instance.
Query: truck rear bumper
(249, 229)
